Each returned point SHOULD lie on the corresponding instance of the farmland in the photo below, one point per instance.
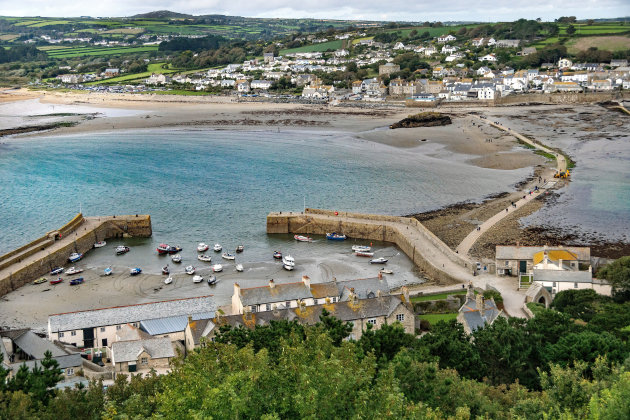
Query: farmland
(610, 43)
(81, 51)
(152, 68)
(596, 29)
(321, 47)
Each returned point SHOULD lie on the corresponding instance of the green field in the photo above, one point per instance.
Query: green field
(96, 51)
(151, 68)
(596, 29)
(324, 46)
(439, 296)
(435, 318)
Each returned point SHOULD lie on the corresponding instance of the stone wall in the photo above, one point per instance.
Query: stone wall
(561, 98)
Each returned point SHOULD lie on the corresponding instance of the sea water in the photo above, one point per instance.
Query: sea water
(217, 186)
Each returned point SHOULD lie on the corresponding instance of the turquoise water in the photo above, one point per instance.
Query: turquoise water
(218, 186)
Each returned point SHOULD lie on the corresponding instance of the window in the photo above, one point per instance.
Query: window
(288, 304)
(144, 361)
(575, 285)
(553, 284)
(60, 335)
(400, 317)
(73, 333)
(334, 299)
(253, 308)
(268, 306)
(102, 329)
(70, 371)
(135, 324)
(371, 321)
(118, 327)
(507, 263)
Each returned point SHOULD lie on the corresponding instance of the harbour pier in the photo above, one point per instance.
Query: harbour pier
(38, 257)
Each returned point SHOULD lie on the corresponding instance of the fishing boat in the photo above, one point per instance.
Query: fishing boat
(176, 258)
(204, 258)
(135, 271)
(202, 247)
(77, 281)
(288, 260)
(163, 248)
(165, 270)
(380, 260)
(73, 270)
(228, 256)
(240, 249)
(239, 268)
(361, 248)
(301, 238)
(174, 249)
(108, 271)
(217, 247)
(277, 255)
(197, 279)
(190, 270)
(212, 280)
(385, 271)
(364, 254)
(336, 236)
(56, 270)
(168, 280)
(40, 281)
(288, 267)
(75, 256)
(121, 249)
(100, 244)
(217, 268)
(56, 281)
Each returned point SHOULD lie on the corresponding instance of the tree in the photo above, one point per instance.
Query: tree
(578, 304)
(618, 274)
(570, 30)
(385, 342)
(334, 327)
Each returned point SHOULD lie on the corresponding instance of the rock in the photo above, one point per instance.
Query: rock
(423, 119)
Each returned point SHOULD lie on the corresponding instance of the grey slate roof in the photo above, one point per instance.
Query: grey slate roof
(473, 317)
(363, 288)
(133, 313)
(129, 351)
(171, 324)
(65, 361)
(35, 346)
(568, 276)
(507, 252)
(281, 292)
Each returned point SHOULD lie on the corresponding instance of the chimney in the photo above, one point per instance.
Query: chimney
(237, 290)
(306, 280)
(189, 319)
(271, 284)
(480, 303)
(590, 268)
(405, 293)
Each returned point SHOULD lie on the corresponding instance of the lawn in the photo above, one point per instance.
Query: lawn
(440, 296)
(151, 68)
(596, 29)
(321, 47)
(610, 43)
(435, 318)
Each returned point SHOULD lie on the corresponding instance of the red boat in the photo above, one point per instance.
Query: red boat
(57, 281)
(302, 238)
(277, 255)
(364, 254)
(163, 249)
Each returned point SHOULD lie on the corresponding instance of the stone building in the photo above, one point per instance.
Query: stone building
(142, 355)
(388, 68)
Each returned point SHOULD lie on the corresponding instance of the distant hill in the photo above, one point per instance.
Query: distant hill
(161, 14)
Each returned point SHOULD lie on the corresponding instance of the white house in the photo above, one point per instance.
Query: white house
(261, 84)
(242, 86)
(478, 42)
(446, 38)
(342, 53)
(565, 63)
(449, 49)
(486, 93)
(399, 46)
(488, 57)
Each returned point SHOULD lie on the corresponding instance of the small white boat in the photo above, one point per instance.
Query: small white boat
(202, 247)
(75, 256)
(288, 260)
(217, 268)
(363, 254)
(55, 271)
(197, 279)
(121, 249)
(166, 270)
(176, 258)
(217, 247)
(240, 248)
(380, 260)
(212, 280)
(385, 271)
(108, 271)
(239, 268)
(288, 267)
(228, 256)
(100, 244)
(135, 271)
(73, 270)
(301, 238)
(190, 270)
(361, 248)
(168, 280)
(204, 258)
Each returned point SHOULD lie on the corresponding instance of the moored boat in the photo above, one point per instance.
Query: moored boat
(108, 271)
(217, 247)
(75, 256)
(176, 258)
(217, 268)
(56, 270)
(174, 249)
(336, 236)
(100, 244)
(277, 255)
(385, 271)
(78, 280)
(363, 254)
(301, 238)
(361, 248)
(40, 281)
(204, 258)
(197, 279)
(168, 280)
(239, 268)
(121, 249)
(190, 270)
(212, 280)
(228, 256)
(135, 271)
(202, 247)
(56, 281)
(240, 249)
(163, 248)
(288, 267)
(73, 270)
(380, 260)
(288, 260)
(165, 270)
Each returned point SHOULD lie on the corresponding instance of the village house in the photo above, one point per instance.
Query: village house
(268, 57)
(430, 50)
(399, 87)
(600, 85)
(565, 63)
(491, 42)
(558, 86)
(618, 63)
(140, 356)
(111, 72)
(508, 43)
(375, 311)
(157, 79)
(449, 49)
(261, 84)
(71, 78)
(478, 42)
(98, 327)
(342, 53)
(526, 51)
(242, 86)
(488, 57)
(517, 260)
(477, 312)
(388, 68)
(446, 38)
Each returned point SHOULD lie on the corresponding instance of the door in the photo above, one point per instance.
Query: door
(522, 267)
(104, 342)
(88, 337)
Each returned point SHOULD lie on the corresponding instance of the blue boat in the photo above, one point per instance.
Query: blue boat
(135, 271)
(108, 271)
(335, 236)
(77, 281)
(56, 270)
(75, 256)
